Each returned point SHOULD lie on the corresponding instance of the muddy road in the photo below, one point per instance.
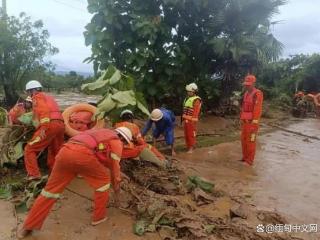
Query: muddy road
(285, 179)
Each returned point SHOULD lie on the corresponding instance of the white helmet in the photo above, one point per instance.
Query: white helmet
(125, 133)
(156, 114)
(33, 84)
(126, 111)
(192, 87)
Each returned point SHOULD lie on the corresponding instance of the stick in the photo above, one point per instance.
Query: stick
(294, 132)
(80, 195)
(16, 217)
(198, 135)
(127, 211)
(135, 195)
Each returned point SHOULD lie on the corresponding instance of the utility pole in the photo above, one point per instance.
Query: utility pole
(4, 8)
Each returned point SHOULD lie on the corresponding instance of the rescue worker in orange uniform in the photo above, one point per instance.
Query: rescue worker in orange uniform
(250, 116)
(190, 117)
(81, 121)
(95, 155)
(19, 109)
(139, 147)
(49, 132)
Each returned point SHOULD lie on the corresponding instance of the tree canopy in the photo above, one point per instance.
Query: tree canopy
(23, 47)
(166, 44)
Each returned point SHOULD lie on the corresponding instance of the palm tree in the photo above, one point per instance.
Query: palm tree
(246, 42)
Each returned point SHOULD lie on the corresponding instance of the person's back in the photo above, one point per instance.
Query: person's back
(82, 155)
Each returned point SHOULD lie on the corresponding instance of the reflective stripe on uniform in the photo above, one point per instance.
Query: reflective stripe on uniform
(44, 120)
(49, 194)
(104, 188)
(253, 137)
(36, 140)
(115, 157)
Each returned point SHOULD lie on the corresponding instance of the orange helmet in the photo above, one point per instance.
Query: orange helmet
(249, 80)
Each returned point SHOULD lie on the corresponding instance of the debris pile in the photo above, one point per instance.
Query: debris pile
(170, 202)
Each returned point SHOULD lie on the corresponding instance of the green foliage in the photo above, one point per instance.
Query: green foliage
(3, 117)
(166, 44)
(196, 181)
(5, 192)
(118, 93)
(287, 76)
(23, 48)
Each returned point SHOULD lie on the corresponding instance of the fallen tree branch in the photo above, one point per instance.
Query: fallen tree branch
(293, 132)
(16, 218)
(80, 195)
(198, 135)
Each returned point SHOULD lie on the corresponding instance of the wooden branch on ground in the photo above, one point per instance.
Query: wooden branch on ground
(293, 132)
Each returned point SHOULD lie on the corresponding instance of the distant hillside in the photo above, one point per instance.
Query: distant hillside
(85, 74)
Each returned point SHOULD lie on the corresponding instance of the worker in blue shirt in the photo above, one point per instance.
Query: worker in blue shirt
(163, 120)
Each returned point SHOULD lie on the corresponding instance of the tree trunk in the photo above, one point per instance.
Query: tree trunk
(11, 96)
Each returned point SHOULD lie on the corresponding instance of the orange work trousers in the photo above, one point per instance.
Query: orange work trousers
(72, 159)
(136, 150)
(52, 138)
(190, 133)
(248, 141)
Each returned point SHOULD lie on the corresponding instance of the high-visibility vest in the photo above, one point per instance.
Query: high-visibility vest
(248, 105)
(97, 140)
(188, 105)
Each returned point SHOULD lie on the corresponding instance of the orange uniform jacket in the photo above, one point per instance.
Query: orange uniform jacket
(15, 112)
(139, 144)
(252, 106)
(135, 130)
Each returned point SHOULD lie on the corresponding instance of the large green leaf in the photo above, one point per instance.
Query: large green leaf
(107, 104)
(97, 87)
(124, 98)
(142, 108)
(5, 193)
(115, 77)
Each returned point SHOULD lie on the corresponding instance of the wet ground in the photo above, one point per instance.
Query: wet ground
(285, 179)
(288, 172)
(66, 99)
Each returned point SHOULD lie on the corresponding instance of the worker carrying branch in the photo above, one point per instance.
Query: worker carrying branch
(19, 109)
(49, 132)
(92, 154)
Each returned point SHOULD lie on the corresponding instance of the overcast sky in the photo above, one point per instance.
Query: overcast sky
(66, 19)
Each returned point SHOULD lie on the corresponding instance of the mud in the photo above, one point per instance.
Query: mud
(288, 172)
(282, 187)
(66, 99)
